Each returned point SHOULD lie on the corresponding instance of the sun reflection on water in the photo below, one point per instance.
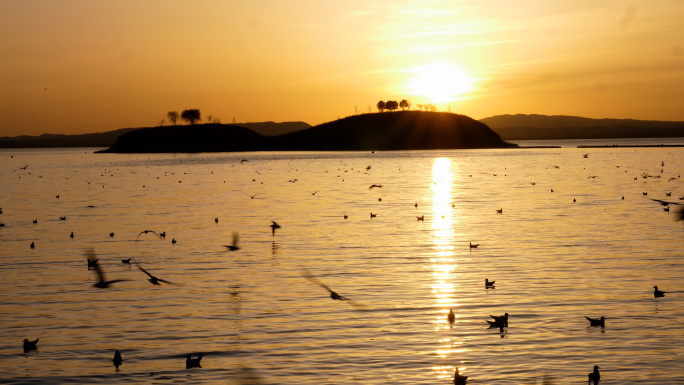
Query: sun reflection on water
(443, 262)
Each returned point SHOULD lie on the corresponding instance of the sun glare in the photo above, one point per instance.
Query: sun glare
(440, 82)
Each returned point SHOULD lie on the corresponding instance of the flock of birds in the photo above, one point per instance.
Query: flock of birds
(499, 322)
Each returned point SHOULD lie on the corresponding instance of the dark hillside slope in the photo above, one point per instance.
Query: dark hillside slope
(403, 130)
(194, 138)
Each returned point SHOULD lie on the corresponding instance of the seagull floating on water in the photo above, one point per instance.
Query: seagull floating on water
(118, 360)
(500, 211)
(657, 293)
(33, 245)
(459, 379)
(72, 235)
(473, 246)
(500, 319)
(595, 376)
(488, 283)
(373, 215)
(596, 321)
(62, 218)
(30, 345)
(421, 218)
(126, 261)
(451, 317)
(193, 362)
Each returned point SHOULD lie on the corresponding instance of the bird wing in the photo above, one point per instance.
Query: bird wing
(145, 271)
(90, 254)
(116, 280)
(162, 280)
(306, 274)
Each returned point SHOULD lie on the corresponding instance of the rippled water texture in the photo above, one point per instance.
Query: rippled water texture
(257, 320)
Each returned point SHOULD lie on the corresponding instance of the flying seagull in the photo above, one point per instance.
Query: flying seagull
(333, 294)
(274, 226)
(102, 283)
(148, 231)
(154, 280)
(234, 246)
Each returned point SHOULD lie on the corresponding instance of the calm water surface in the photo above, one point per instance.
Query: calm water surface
(257, 320)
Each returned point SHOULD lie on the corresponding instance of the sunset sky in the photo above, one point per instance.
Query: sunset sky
(80, 66)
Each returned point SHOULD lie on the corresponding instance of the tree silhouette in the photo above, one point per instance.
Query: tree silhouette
(173, 117)
(191, 116)
(404, 104)
(381, 105)
(391, 105)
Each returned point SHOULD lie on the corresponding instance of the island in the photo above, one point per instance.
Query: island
(384, 131)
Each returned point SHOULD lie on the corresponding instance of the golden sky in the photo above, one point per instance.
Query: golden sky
(79, 66)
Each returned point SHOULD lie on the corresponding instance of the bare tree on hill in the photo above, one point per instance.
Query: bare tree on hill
(173, 117)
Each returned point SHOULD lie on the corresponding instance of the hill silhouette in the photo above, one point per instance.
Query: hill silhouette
(539, 127)
(402, 130)
(405, 130)
(108, 138)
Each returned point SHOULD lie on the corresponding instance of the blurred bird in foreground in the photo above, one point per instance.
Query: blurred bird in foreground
(459, 379)
(154, 280)
(101, 283)
(234, 246)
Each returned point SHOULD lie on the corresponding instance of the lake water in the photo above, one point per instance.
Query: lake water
(257, 320)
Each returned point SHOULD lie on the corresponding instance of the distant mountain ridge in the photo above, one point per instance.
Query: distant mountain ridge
(402, 130)
(540, 127)
(108, 138)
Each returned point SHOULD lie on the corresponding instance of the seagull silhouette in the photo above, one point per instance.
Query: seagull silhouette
(595, 376)
(234, 246)
(313, 192)
(475, 246)
(193, 362)
(30, 345)
(118, 360)
(459, 379)
(657, 293)
(23, 168)
(421, 218)
(154, 280)
(149, 231)
(274, 226)
(680, 211)
(596, 321)
(375, 185)
(126, 261)
(252, 196)
(496, 324)
(62, 218)
(373, 215)
(33, 245)
(451, 317)
(500, 211)
(72, 235)
(306, 274)
(501, 319)
(489, 283)
(101, 283)
(346, 216)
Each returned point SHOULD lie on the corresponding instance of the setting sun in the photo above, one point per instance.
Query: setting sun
(440, 82)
